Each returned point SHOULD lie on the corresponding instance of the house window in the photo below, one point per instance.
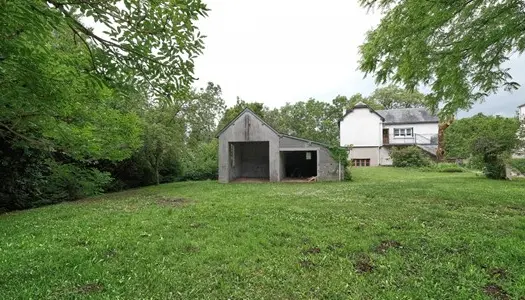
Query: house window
(361, 162)
(403, 132)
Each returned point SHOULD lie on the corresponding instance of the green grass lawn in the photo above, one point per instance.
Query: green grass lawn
(389, 234)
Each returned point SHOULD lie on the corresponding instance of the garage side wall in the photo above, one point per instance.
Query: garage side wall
(327, 167)
(248, 128)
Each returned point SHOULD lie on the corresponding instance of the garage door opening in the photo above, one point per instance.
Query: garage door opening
(299, 164)
(249, 160)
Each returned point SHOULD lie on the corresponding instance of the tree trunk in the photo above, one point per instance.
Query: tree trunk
(440, 153)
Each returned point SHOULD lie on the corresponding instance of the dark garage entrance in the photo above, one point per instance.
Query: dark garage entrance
(299, 164)
(249, 160)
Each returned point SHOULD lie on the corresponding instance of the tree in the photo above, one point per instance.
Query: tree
(202, 113)
(392, 97)
(461, 135)
(457, 48)
(312, 119)
(240, 105)
(147, 43)
(487, 140)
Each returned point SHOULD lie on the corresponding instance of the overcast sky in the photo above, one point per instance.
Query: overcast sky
(277, 51)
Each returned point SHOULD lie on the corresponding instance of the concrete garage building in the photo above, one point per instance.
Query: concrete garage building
(249, 148)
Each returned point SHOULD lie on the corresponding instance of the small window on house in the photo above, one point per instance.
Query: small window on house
(361, 162)
(403, 132)
(308, 155)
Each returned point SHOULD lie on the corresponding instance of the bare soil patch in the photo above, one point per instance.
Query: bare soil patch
(364, 265)
(496, 292)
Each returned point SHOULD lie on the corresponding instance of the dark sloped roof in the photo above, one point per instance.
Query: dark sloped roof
(408, 115)
(521, 105)
(361, 105)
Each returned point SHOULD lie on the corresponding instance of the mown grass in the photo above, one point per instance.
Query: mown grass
(389, 234)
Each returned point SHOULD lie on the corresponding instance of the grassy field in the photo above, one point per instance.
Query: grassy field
(389, 234)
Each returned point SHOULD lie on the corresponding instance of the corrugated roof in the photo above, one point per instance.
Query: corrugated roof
(408, 115)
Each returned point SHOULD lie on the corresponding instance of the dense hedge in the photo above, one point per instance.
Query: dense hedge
(411, 156)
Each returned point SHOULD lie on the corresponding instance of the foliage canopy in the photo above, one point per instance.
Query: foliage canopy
(457, 48)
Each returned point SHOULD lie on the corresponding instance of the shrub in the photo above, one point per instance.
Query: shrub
(518, 164)
(202, 162)
(69, 182)
(493, 153)
(340, 155)
(412, 156)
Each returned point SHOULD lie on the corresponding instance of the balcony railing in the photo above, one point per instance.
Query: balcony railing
(416, 139)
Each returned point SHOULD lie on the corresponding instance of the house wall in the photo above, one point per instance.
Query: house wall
(248, 128)
(360, 128)
(384, 157)
(371, 153)
(327, 167)
(424, 130)
(522, 112)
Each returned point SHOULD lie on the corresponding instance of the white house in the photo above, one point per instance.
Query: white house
(520, 153)
(372, 133)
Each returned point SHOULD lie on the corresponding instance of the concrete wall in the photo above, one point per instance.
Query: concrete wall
(327, 167)
(361, 128)
(371, 153)
(248, 128)
(384, 157)
(424, 130)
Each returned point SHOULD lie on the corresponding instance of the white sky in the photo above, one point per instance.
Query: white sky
(277, 51)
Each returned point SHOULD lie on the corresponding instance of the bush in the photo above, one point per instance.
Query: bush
(518, 164)
(412, 156)
(348, 173)
(493, 154)
(201, 163)
(69, 182)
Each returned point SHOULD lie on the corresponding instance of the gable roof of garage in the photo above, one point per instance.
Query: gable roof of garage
(270, 127)
(242, 113)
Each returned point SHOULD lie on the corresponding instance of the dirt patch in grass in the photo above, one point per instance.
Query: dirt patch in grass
(363, 264)
(173, 202)
(496, 292)
(90, 288)
(313, 250)
(498, 273)
(385, 245)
